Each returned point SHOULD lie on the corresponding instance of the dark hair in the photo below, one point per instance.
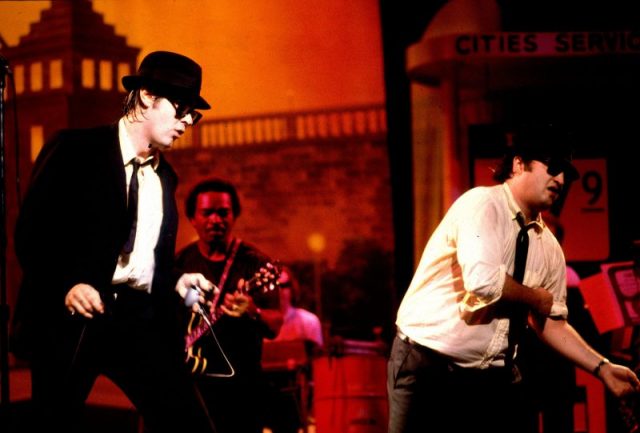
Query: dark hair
(212, 185)
(131, 101)
(504, 169)
(538, 141)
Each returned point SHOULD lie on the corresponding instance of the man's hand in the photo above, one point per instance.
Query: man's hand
(543, 301)
(236, 304)
(204, 286)
(84, 300)
(538, 299)
(620, 379)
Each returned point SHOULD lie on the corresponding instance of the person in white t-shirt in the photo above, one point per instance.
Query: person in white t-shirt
(298, 322)
(290, 400)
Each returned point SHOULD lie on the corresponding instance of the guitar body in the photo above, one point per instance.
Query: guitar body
(196, 361)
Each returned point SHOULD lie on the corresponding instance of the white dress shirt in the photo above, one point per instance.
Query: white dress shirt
(137, 269)
(450, 304)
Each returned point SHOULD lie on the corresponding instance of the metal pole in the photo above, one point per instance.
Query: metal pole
(4, 305)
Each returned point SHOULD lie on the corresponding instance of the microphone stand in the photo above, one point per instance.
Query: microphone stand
(4, 305)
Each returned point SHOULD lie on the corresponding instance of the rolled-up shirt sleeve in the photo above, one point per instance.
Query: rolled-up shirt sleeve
(480, 254)
(557, 285)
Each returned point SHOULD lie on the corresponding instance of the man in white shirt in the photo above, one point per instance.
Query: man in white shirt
(452, 361)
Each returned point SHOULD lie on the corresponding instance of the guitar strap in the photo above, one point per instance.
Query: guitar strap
(235, 245)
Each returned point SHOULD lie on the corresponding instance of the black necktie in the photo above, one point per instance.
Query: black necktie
(519, 313)
(132, 208)
(522, 248)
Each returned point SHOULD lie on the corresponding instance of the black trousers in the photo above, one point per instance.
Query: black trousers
(427, 393)
(236, 404)
(128, 346)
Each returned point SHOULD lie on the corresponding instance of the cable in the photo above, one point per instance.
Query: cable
(215, 338)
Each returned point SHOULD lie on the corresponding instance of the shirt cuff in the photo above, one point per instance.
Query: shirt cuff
(559, 310)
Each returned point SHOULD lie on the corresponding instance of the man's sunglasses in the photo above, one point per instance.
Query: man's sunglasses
(184, 108)
(555, 166)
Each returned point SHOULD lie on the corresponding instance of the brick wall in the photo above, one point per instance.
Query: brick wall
(289, 191)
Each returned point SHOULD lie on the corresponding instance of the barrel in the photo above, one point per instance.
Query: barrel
(349, 389)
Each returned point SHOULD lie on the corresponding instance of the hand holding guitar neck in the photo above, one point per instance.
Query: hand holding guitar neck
(240, 302)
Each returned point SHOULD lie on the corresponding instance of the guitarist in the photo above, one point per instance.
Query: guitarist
(227, 363)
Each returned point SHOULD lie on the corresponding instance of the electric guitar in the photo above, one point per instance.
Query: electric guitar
(265, 280)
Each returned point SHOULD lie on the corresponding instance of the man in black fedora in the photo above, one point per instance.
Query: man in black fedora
(95, 238)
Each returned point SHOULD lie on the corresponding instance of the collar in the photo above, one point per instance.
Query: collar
(514, 210)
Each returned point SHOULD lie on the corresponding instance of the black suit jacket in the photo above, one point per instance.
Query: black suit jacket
(72, 225)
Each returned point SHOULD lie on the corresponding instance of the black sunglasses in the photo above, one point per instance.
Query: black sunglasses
(184, 108)
(555, 166)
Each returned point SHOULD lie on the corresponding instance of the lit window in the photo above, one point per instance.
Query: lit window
(88, 73)
(55, 74)
(123, 70)
(18, 78)
(36, 76)
(106, 75)
(37, 140)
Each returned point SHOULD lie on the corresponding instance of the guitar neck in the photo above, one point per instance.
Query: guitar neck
(201, 328)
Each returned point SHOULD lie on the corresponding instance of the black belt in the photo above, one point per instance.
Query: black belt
(408, 339)
(405, 338)
(498, 373)
(123, 298)
(127, 290)
(435, 358)
(120, 292)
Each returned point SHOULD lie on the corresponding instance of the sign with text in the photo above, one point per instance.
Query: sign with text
(532, 44)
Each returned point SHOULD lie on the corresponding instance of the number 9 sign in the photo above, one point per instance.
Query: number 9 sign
(585, 214)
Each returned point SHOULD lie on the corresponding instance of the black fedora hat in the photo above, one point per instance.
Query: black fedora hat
(169, 74)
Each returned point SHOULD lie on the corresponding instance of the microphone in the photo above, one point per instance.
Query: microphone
(192, 296)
